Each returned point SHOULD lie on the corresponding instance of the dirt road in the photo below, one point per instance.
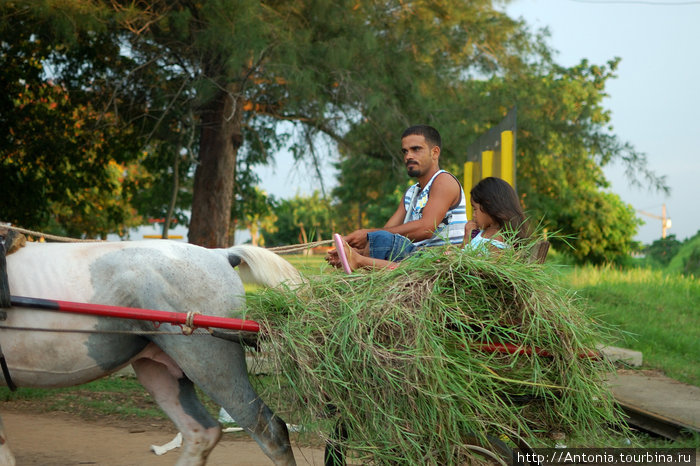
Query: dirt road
(58, 439)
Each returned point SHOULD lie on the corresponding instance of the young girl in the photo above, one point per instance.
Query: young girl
(496, 210)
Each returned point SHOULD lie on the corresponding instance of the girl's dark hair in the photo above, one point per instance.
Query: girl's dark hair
(498, 199)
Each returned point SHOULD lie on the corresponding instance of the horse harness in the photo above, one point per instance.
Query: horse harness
(10, 241)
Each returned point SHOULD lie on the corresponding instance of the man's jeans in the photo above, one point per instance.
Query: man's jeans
(389, 246)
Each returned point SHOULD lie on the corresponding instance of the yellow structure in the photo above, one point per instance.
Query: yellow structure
(492, 154)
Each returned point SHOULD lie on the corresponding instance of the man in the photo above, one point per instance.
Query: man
(433, 210)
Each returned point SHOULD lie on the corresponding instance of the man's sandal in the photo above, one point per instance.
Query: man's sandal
(340, 247)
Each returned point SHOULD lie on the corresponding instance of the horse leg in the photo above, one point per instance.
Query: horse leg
(251, 413)
(175, 394)
(6, 456)
(218, 367)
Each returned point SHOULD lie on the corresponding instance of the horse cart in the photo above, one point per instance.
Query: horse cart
(124, 301)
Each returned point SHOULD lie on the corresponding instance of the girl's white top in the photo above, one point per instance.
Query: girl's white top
(479, 242)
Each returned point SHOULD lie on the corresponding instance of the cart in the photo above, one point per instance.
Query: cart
(498, 449)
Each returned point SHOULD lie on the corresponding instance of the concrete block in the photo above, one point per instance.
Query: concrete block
(621, 355)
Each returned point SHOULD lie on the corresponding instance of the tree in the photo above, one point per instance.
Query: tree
(58, 165)
(663, 250)
(354, 72)
(254, 211)
(563, 141)
(70, 164)
(240, 67)
(300, 220)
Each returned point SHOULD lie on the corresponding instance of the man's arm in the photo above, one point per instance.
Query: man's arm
(444, 193)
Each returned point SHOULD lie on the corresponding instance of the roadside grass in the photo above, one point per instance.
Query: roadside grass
(121, 396)
(308, 265)
(657, 313)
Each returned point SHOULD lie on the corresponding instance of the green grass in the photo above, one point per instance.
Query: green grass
(659, 314)
(308, 265)
(122, 396)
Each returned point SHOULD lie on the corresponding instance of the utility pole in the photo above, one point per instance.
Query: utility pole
(665, 221)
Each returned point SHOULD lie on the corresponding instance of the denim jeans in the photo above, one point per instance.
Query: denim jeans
(389, 246)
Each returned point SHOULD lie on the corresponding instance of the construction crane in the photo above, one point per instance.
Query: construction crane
(665, 221)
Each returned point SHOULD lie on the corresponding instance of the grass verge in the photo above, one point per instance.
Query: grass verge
(658, 313)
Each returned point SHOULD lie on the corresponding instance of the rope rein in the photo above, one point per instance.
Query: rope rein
(37, 234)
(103, 332)
(189, 327)
(298, 247)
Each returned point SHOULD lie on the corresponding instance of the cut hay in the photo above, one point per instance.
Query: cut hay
(399, 355)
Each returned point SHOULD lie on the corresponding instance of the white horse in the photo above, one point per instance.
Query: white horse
(161, 275)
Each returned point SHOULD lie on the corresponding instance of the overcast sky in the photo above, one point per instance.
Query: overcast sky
(655, 100)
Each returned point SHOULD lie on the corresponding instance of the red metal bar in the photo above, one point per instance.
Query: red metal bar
(510, 348)
(180, 318)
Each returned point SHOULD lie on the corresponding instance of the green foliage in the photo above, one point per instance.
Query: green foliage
(236, 81)
(254, 210)
(62, 161)
(662, 250)
(70, 165)
(687, 258)
(300, 220)
(368, 194)
(599, 222)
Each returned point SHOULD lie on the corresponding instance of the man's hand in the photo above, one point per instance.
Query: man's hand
(358, 238)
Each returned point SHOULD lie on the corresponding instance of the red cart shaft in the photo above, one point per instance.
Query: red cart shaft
(198, 320)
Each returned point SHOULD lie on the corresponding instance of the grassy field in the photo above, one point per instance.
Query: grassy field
(655, 313)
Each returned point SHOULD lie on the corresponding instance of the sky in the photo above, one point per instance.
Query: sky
(654, 101)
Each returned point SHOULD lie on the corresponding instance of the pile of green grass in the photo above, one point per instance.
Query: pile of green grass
(397, 354)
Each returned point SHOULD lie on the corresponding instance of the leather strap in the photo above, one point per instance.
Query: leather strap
(4, 304)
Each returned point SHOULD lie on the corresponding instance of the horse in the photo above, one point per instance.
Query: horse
(152, 274)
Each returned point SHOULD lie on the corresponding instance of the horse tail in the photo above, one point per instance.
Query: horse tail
(262, 267)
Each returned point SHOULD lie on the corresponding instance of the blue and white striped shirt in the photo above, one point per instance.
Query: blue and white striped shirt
(452, 226)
